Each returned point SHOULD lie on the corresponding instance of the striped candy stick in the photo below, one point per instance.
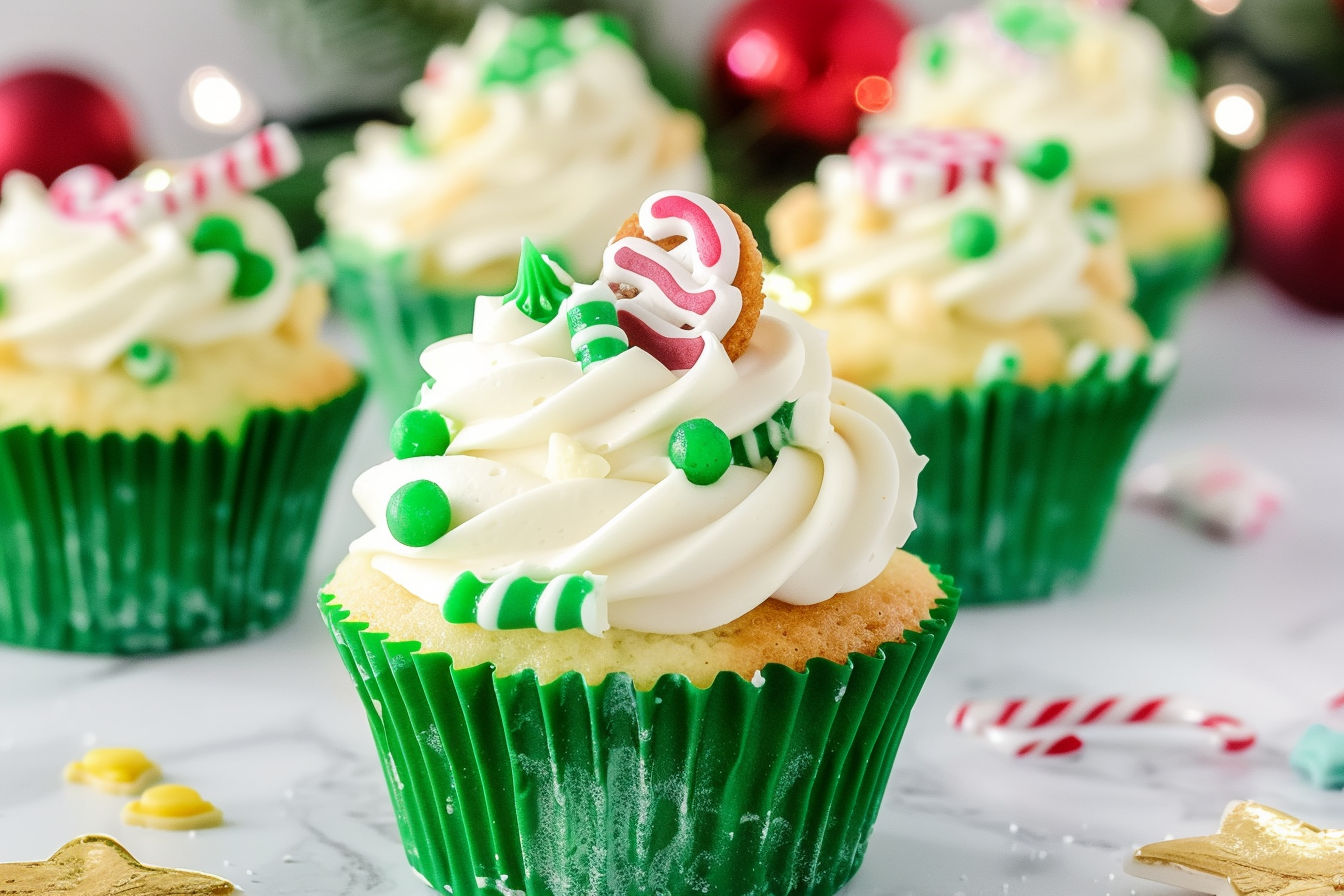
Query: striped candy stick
(918, 165)
(90, 193)
(594, 336)
(516, 602)
(760, 446)
(1031, 714)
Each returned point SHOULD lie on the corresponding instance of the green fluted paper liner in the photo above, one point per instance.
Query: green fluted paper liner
(1020, 480)
(1166, 280)
(397, 317)
(507, 785)
(112, 544)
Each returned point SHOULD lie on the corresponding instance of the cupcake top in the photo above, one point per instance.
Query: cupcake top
(96, 273)
(954, 238)
(660, 451)
(541, 126)
(1095, 76)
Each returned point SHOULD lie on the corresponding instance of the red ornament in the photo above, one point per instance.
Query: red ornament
(809, 67)
(1290, 204)
(52, 121)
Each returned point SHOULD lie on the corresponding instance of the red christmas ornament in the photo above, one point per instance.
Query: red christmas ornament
(52, 121)
(809, 67)
(1290, 206)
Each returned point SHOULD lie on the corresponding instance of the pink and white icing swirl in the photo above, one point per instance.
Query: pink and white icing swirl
(554, 470)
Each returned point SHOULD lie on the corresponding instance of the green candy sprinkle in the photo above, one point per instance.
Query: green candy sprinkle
(534, 44)
(1033, 24)
(412, 144)
(538, 291)
(418, 514)
(1103, 205)
(217, 233)
(1046, 160)
(1184, 69)
(3, 296)
(937, 54)
(419, 432)
(701, 450)
(148, 363)
(255, 273)
(973, 235)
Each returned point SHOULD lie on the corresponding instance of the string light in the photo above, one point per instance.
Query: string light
(157, 180)
(873, 93)
(216, 102)
(1237, 113)
(1218, 7)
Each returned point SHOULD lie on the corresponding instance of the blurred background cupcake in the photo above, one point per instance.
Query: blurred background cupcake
(713, 505)
(1102, 80)
(540, 125)
(958, 278)
(169, 418)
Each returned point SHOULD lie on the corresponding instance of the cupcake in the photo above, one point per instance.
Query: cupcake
(1102, 80)
(957, 279)
(541, 126)
(169, 419)
(632, 616)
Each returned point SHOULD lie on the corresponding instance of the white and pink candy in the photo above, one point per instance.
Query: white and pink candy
(1040, 726)
(91, 193)
(905, 167)
(686, 296)
(1210, 490)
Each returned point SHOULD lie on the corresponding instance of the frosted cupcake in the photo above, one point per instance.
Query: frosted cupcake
(1102, 80)
(538, 126)
(168, 417)
(957, 279)
(632, 615)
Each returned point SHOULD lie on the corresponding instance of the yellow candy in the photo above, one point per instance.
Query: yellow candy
(171, 807)
(118, 770)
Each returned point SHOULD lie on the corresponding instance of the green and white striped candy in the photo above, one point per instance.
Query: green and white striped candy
(515, 601)
(594, 335)
(760, 447)
(148, 363)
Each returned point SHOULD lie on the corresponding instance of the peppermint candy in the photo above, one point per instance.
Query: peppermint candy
(1023, 726)
(90, 193)
(684, 297)
(1211, 490)
(514, 602)
(905, 167)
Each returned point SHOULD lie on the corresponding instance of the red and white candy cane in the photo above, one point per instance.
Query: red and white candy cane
(1019, 725)
(901, 167)
(91, 193)
(685, 296)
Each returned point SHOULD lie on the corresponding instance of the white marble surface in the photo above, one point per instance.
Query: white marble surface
(272, 731)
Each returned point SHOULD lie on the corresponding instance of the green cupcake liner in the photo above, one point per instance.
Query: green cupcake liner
(1020, 480)
(1164, 282)
(508, 785)
(397, 317)
(111, 544)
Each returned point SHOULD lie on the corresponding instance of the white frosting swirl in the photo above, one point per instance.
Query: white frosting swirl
(1108, 91)
(676, 557)
(563, 158)
(78, 294)
(1036, 266)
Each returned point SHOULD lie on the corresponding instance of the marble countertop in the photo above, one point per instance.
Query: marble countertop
(272, 732)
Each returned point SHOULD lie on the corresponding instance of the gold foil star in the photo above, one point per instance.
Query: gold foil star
(1258, 851)
(94, 865)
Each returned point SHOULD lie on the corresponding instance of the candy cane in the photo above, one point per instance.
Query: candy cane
(594, 336)
(917, 165)
(89, 193)
(514, 601)
(1030, 714)
(685, 296)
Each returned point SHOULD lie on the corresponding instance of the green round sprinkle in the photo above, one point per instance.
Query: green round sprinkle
(419, 514)
(217, 233)
(255, 273)
(419, 432)
(1046, 160)
(1184, 69)
(148, 363)
(1037, 25)
(973, 235)
(701, 450)
(532, 46)
(1104, 205)
(937, 54)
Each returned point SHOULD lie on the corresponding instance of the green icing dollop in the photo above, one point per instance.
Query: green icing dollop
(539, 290)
